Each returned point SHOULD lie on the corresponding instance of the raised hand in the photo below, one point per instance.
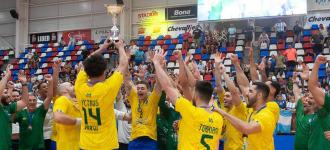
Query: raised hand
(178, 54)
(222, 69)
(22, 76)
(106, 44)
(262, 65)
(159, 57)
(305, 74)
(57, 63)
(48, 77)
(321, 59)
(218, 59)
(234, 58)
(151, 54)
(294, 76)
(120, 44)
(8, 71)
(10, 85)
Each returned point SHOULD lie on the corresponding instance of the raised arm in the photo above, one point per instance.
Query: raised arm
(262, 69)
(231, 86)
(241, 126)
(123, 59)
(56, 72)
(186, 78)
(242, 80)
(253, 67)
(103, 48)
(296, 89)
(50, 93)
(316, 91)
(5, 80)
(218, 60)
(62, 118)
(25, 91)
(165, 81)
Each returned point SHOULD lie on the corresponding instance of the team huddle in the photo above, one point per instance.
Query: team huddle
(244, 114)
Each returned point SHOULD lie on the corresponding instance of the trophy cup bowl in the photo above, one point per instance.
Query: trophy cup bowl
(114, 10)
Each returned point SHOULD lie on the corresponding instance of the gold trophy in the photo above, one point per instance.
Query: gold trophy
(114, 10)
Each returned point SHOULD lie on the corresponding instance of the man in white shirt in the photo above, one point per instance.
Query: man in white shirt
(280, 29)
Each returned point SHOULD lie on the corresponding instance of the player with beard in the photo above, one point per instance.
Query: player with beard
(260, 124)
(6, 110)
(233, 105)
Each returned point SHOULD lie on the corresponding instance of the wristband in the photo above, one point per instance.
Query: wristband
(78, 121)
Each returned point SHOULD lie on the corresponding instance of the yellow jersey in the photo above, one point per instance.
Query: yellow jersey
(199, 129)
(274, 108)
(144, 115)
(234, 138)
(67, 137)
(96, 104)
(262, 140)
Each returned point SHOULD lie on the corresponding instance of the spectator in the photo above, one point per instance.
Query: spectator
(291, 57)
(256, 52)
(223, 38)
(249, 30)
(280, 101)
(299, 67)
(297, 29)
(280, 29)
(201, 67)
(263, 40)
(114, 57)
(317, 39)
(232, 34)
(328, 71)
(72, 41)
(186, 36)
(280, 67)
(197, 34)
(324, 33)
(139, 57)
(62, 42)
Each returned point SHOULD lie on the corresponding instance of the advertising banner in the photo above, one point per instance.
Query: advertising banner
(78, 35)
(175, 29)
(100, 34)
(185, 12)
(315, 5)
(318, 18)
(50, 37)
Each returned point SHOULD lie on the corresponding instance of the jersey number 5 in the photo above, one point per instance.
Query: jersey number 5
(97, 117)
(203, 142)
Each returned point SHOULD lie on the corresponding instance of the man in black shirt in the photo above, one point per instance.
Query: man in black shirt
(197, 34)
(297, 29)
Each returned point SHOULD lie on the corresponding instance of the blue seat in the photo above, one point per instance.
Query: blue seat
(151, 47)
(89, 47)
(74, 63)
(33, 71)
(43, 50)
(22, 55)
(50, 70)
(169, 52)
(273, 41)
(198, 51)
(15, 77)
(171, 46)
(60, 49)
(322, 67)
(71, 48)
(22, 66)
(160, 37)
(307, 33)
(80, 58)
(26, 50)
(264, 53)
(223, 49)
(180, 36)
(141, 38)
(168, 42)
(322, 73)
(153, 42)
(15, 72)
(288, 74)
(205, 57)
(239, 55)
(167, 58)
(85, 42)
(140, 43)
(315, 27)
(44, 59)
(180, 41)
(67, 53)
(49, 54)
